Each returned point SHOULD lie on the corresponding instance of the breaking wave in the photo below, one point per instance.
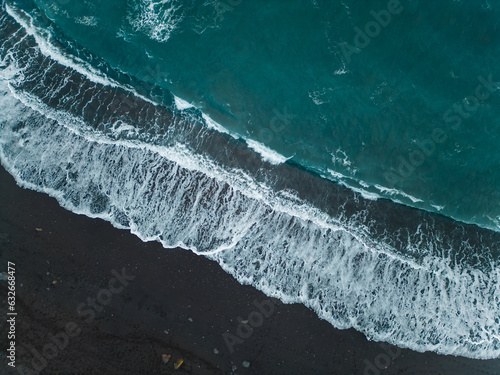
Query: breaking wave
(156, 18)
(400, 275)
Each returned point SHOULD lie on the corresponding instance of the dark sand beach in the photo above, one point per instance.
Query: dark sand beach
(92, 299)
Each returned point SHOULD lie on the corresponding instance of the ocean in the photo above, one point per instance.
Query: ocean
(339, 154)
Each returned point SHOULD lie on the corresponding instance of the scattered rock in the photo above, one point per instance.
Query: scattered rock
(245, 364)
(178, 363)
(244, 321)
(191, 320)
(166, 357)
(234, 368)
(54, 282)
(216, 351)
(38, 229)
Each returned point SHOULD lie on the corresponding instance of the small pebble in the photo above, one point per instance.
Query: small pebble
(245, 364)
(216, 351)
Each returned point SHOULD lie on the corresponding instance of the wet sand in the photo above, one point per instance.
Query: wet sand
(93, 299)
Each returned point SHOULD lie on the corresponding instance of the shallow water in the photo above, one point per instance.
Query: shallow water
(267, 110)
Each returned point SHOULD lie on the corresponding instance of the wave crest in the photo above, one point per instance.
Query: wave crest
(154, 172)
(156, 18)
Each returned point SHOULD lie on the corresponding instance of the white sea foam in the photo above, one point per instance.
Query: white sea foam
(181, 104)
(119, 128)
(272, 240)
(214, 125)
(157, 19)
(366, 189)
(364, 193)
(340, 157)
(266, 153)
(43, 40)
(321, 96)
(341, 71)
(87, 21)
(348, 182)
(395, 192)
(286, 248)
(48, 49)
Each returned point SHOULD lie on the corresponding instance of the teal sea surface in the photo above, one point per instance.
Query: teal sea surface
(341, 154)
(398, 117)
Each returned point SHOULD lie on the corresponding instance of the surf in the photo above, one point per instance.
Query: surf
(397, 274)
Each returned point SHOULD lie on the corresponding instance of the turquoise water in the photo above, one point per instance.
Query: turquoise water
(283, 73)
(342, 155)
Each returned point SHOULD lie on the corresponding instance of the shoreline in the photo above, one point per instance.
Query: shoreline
(122, 303)
(97, 173)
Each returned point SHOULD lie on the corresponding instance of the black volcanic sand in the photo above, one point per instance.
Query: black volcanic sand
(178, 303)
